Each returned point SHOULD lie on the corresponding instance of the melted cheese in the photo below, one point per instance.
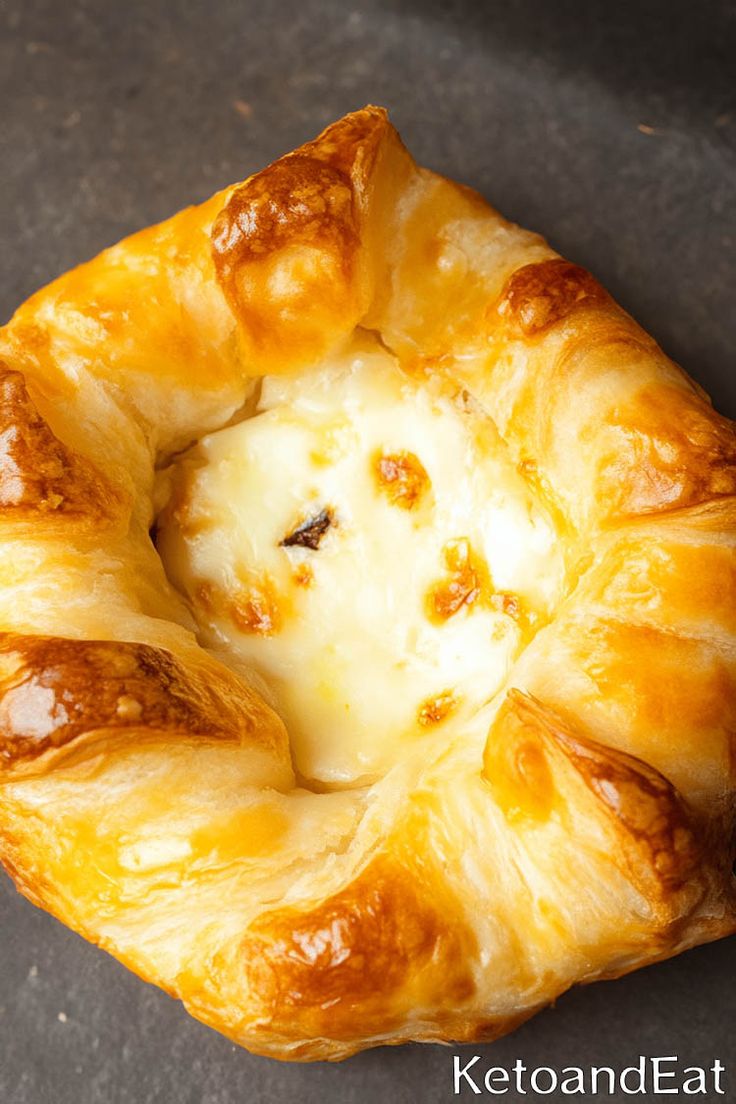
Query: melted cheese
(365, 543)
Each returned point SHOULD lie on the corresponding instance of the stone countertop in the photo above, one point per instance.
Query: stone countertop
(610, 128)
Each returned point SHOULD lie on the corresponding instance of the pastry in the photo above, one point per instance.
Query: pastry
(367, 613)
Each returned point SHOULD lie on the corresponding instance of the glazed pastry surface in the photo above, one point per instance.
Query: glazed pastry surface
(367, 613)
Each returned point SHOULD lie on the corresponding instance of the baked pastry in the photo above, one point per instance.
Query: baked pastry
(368, 609)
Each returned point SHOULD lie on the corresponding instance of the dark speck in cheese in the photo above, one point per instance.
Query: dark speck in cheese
(309, 533)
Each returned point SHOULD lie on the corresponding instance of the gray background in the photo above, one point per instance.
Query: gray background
(116, 114)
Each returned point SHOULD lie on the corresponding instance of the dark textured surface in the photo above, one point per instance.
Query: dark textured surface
(610, 128)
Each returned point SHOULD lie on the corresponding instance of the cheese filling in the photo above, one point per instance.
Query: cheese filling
(365, 543)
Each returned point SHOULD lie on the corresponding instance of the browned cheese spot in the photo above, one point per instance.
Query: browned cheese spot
(401, 477)
(38, 473)
(53, 690)
(255, 609)
(467, 582)
(505, 602)
(303, 575)
(434, 710)
(539, 295)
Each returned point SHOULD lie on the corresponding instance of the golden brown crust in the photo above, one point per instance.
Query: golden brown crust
(644, 656)
(538, 296)
(356, 954)
(54, 690)
(605, 425)
(42, 480)
(289, 246)
(146, 792)
(543, 772)
(644, 805)
(669, 450)
(692, 586)
(301, 203)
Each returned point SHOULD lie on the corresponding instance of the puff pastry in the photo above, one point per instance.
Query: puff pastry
(367, 613)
